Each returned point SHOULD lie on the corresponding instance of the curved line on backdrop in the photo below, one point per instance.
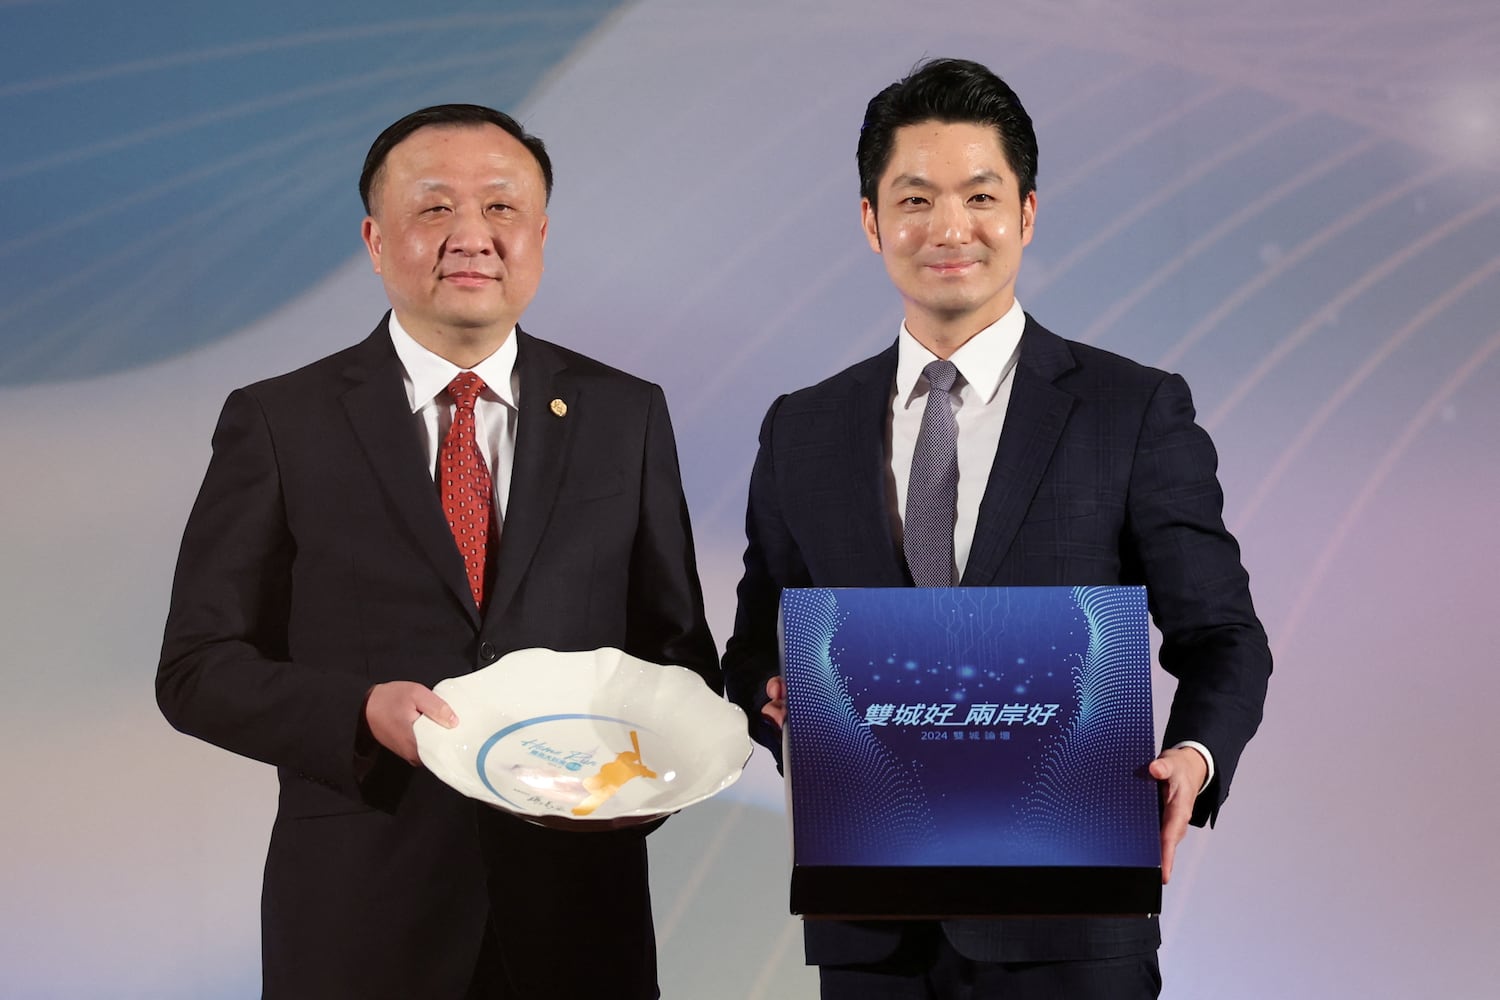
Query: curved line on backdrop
(112, 309)
(875, 337)
(1339, 33)
(699, 873)
(1458, 47)
(1162, 194)
(381, 76)
(1240, 217)
(1284, 263)
(1133, 139)
(688, 31)
(1414, 22)
(732, 491)
(733, 263)
(1321, 316)
(1215, 46)
(277, 147)
(1083, 98)
(726, 369)
(271, 189)
(163, 272)
(1078, 175)
(285, 43)
(1429, 313)
(1080, 99)
(252, 106)
(767, 334)
(352, 123)
(689, 113)
(1324, 560)
(1198, 28)
(791, 930)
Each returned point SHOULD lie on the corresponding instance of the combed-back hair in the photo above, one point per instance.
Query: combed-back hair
(952, 91)
(448, 115)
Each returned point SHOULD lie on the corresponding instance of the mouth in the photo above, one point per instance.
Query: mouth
(469, 278)
(948, 267)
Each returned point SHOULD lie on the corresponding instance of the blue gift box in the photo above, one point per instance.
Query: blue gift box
(970, 751)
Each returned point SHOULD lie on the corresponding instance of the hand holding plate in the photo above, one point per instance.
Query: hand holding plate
(393, 707)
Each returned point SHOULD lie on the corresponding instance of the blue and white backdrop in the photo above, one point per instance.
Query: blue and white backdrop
(1292, 202)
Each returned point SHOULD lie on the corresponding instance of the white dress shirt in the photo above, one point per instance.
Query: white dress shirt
(986, 365)
(980, 396)
(426, 379)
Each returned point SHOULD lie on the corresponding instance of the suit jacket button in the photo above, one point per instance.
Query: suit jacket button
(487, 652)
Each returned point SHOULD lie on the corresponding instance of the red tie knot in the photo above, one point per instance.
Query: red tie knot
(465, 389)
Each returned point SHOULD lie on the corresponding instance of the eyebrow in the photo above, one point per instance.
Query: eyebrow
(917, 181)
(431, 185)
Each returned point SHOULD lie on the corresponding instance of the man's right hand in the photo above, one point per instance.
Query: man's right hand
(393, 707)
(775, 709)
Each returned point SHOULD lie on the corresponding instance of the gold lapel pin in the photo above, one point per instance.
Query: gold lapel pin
(559, 407)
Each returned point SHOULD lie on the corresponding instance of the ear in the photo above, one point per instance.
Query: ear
(545, 220)
(1028, 218)
(370, 233)
(868, 221)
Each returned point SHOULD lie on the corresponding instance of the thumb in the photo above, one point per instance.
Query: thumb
(435, 708)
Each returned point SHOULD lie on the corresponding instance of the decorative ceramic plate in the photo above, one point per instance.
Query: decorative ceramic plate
(587, 740)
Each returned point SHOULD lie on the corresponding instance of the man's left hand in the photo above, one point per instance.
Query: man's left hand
(1181, 772)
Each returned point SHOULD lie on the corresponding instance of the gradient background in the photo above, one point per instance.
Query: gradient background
(1292, 203)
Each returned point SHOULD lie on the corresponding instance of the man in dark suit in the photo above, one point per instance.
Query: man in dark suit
(1041, 462)
(323, 588)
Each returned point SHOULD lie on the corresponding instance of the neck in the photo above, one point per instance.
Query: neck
(463, 346)
(942, 340)
(943, 335)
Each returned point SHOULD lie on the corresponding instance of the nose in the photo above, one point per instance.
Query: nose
(470, 235)
(951, 222)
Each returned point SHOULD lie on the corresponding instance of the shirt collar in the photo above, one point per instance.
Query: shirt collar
(983, 361)
(427, 374)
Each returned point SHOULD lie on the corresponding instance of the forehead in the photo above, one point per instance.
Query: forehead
(927, 151)
(438, 152)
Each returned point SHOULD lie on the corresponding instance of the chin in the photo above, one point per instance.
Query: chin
(954, 308)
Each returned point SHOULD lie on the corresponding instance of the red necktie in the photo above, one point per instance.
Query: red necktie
(464, 481)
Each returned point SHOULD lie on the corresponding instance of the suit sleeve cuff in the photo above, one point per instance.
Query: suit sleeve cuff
(1208, 759)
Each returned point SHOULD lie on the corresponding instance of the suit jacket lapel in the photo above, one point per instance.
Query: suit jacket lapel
(542, 439)
(867, 417)
(381, 416)
(1034, 421)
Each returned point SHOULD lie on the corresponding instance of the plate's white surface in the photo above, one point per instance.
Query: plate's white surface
(586, 739)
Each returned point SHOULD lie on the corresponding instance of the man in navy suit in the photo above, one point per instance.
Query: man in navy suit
(1073, 466)
(323, 589)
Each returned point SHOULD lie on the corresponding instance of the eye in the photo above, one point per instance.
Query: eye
(434, 209)
(500, 206)
(913, 200)
(983, 198)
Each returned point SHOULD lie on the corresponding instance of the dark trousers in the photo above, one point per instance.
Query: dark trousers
(565, 923)
(927, 967)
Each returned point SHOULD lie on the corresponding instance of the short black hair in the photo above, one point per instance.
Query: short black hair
(450, 115)
(951, 91)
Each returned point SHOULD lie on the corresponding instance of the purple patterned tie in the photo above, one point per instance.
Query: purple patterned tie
(932, 491)
(464, 481)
